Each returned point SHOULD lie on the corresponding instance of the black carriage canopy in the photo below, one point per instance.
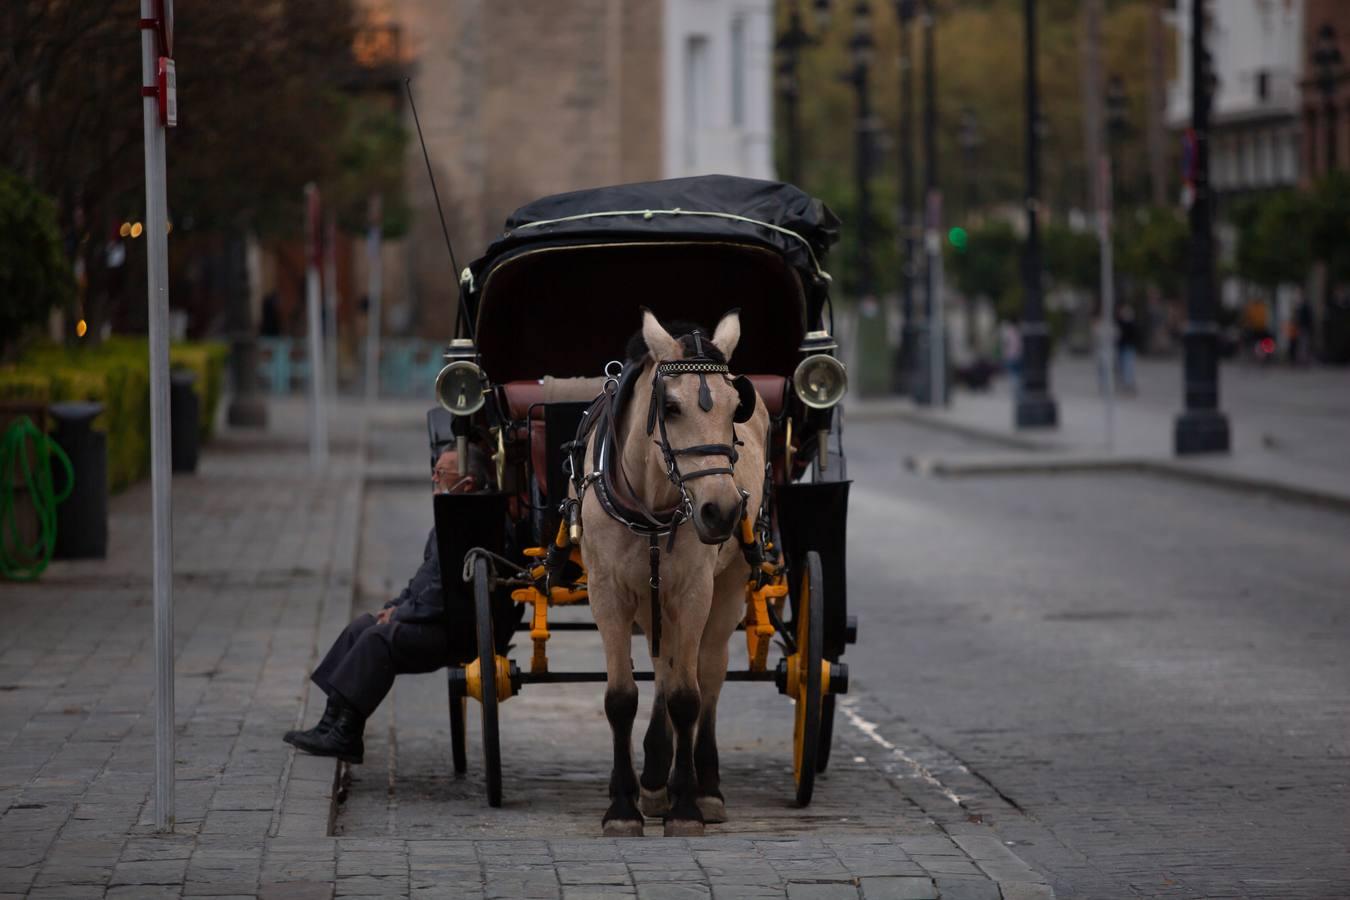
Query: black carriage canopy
(560, 291)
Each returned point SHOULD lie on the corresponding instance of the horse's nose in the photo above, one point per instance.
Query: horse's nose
(716, 520)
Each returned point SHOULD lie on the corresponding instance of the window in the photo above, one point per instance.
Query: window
(696, 77)
(738, 72)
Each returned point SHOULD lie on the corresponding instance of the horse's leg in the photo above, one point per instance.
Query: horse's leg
(614, 617)
(657, 754)
(680, 687)
(727, 610)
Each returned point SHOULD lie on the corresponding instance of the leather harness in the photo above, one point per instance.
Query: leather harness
(606, 475)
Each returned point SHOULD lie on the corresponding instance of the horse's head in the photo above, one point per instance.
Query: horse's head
(691, 418)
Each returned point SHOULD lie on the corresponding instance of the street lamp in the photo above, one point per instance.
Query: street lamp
(789, 45)
(904, 10)
(1326, 59)
(860, 47)
(1115, 102)
(1035, 407)
(1201, 427)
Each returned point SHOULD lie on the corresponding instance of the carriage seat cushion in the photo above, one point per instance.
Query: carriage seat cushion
(522, 395)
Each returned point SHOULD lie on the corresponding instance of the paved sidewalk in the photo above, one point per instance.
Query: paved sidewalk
(1289, 428)
(267, 557)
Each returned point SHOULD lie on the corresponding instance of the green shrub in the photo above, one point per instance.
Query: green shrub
(117, 375)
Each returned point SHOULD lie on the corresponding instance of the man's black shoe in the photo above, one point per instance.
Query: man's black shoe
(330, 712)
(343, 739)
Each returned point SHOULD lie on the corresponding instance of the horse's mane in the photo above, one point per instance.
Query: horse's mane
(681, 331)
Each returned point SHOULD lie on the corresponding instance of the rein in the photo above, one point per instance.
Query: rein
(612, 486)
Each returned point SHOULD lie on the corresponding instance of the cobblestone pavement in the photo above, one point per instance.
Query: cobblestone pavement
(266, 556)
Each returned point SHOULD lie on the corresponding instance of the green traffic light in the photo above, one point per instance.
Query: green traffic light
(957, 237)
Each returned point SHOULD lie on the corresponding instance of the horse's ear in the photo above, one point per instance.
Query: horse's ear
(728, 333)
(659, 342)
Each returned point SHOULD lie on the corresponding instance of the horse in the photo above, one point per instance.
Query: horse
(677, 465)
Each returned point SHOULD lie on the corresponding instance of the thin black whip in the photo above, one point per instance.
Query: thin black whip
(445, 232)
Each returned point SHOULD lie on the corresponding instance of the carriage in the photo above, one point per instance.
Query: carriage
(544, 316)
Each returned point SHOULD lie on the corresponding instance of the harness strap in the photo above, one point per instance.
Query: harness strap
(654, 557)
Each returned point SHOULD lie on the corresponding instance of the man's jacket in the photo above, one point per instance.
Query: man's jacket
(422, 601)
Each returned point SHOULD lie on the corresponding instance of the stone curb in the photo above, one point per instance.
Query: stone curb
(1047, 458)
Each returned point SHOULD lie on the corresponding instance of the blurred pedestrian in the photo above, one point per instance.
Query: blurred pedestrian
(1300, 348)
(1127, 347)
(407, 635)
(1010, 350)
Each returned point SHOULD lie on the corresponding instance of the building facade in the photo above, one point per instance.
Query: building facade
(1326, 87)
(519, 99)
(1258, 60)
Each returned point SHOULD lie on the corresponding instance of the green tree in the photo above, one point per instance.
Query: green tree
(35, 275)
(1151, 247)
(990, 266)
(1274, 245)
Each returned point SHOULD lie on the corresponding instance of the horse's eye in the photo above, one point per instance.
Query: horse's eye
(672, 409)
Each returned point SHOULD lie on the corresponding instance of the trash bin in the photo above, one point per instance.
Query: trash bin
(184, 415)
(82, 521)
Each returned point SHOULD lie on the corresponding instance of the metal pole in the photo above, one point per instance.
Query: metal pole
(937, 326)
(318, 415)
(161, 502)
(330, 303)
(1201, 427)
(1108, 322)
(862, 165)
(908, 333)
(1034, 407)
(932, 244)
(374, 236)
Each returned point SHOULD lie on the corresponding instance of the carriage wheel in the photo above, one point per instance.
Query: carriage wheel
(487, 673)
(457, 749)
(810, 640)
(826, 732)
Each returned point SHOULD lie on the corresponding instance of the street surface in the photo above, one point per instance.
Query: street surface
(1139, 682)
(1118, 684)
(1153, 672)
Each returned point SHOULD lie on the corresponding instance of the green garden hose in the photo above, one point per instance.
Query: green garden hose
(20, 561)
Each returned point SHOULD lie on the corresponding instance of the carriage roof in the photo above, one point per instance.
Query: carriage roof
(559, 292)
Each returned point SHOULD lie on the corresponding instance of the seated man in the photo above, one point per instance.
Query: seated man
(407, 635)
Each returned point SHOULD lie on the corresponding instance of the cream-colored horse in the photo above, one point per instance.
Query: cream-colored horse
(703, 576)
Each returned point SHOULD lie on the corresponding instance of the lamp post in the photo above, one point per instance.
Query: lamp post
(904, 376)
(1035, 407)
(929, 365)
(1201, 427)
(789, 46)
(1326, 60)
(860, 48)
(1115, 102)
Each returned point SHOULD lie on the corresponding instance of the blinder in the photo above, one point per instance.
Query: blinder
(746, 389)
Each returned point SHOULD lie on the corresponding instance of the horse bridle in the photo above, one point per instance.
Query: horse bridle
(644, 520)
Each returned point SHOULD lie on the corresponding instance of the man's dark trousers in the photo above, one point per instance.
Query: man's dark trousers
(364, 659)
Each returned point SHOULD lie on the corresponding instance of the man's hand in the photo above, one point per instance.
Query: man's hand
(385, 616)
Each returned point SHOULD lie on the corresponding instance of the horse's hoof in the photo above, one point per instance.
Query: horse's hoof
(684, 828)
(714, 809)
(623, 828)
(654, 804)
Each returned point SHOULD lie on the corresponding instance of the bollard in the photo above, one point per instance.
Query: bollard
(183, 416)
(82, 521)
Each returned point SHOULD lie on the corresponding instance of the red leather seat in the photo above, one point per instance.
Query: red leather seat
(772, 390)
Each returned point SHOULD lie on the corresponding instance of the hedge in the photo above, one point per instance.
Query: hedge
(116, 374)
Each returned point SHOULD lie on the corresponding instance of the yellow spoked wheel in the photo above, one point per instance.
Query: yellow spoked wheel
(804, 677)
(489, 675)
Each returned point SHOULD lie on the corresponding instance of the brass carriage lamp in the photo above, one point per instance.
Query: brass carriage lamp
(820, 382)
(459, 389)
